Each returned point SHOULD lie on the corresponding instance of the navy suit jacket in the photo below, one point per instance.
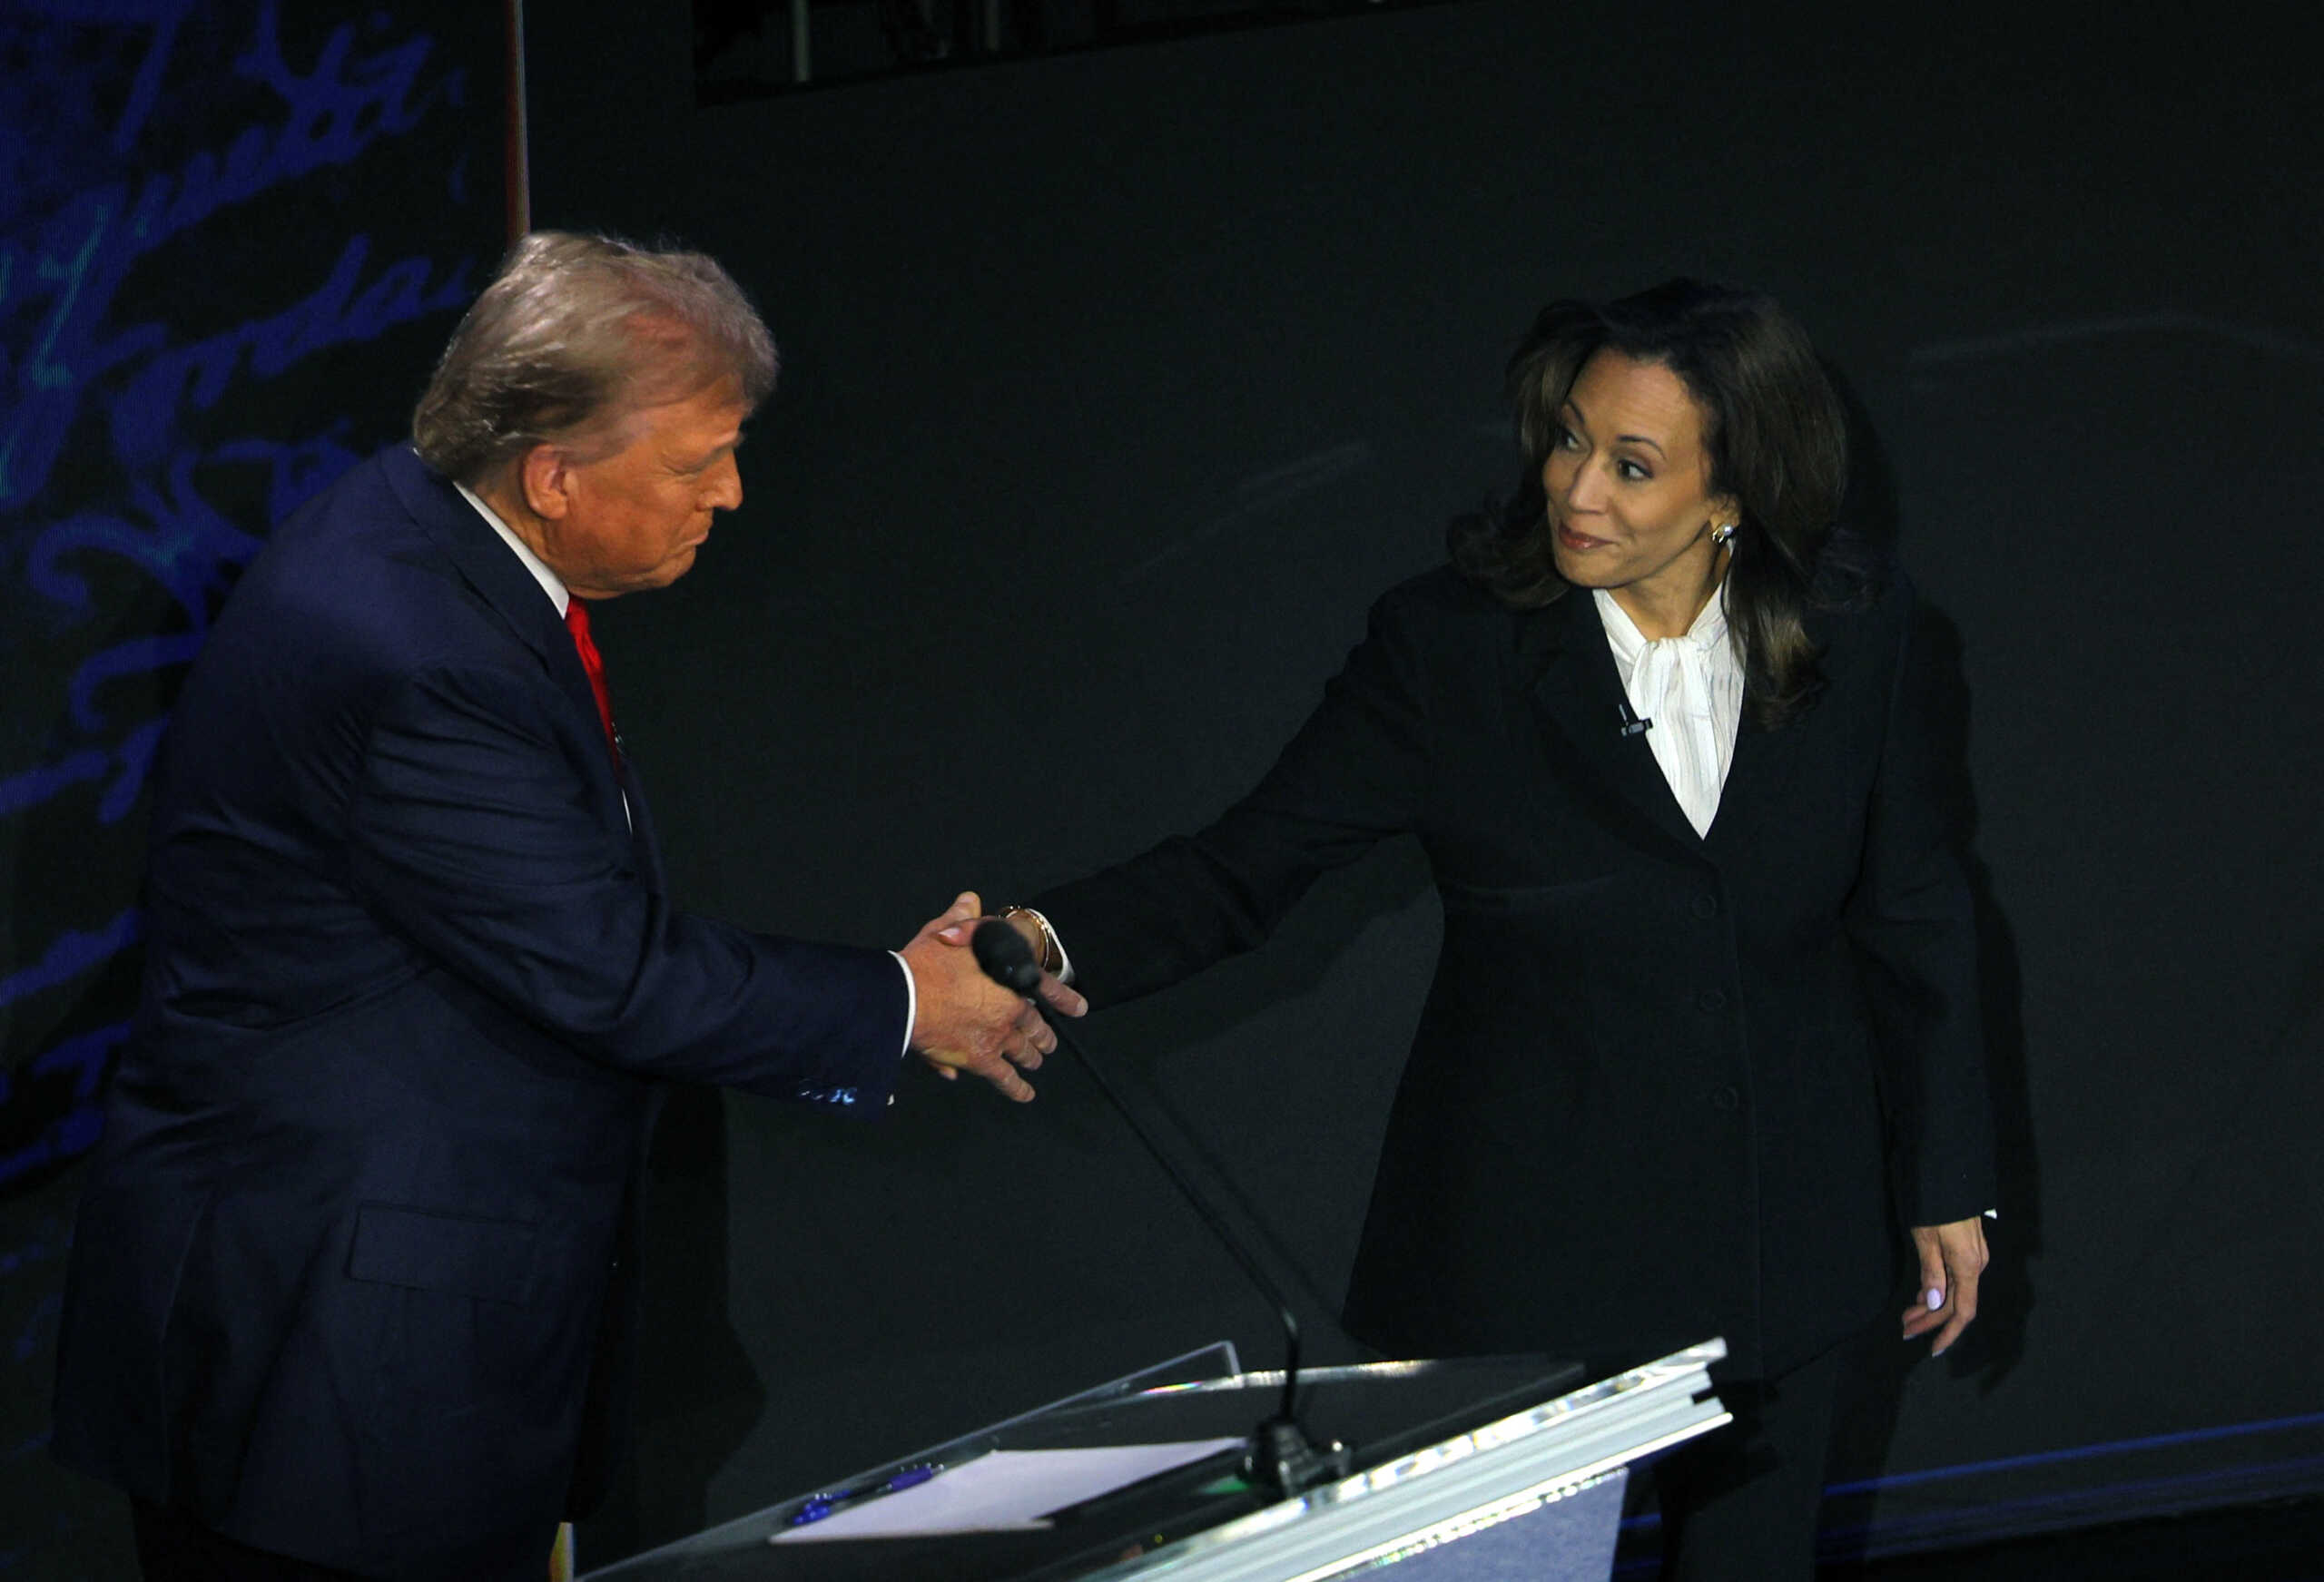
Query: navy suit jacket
(351, 1278)
(1665, 1085)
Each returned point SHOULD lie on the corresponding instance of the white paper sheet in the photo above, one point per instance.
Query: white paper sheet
(1008, 1490)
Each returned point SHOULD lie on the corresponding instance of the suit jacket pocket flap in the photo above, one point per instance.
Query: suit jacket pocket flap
(491, 1259)
(1523, 897)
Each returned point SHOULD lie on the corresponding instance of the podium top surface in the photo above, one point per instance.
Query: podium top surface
(1434, 1435)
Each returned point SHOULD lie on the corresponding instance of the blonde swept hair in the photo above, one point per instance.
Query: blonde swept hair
(577, 333)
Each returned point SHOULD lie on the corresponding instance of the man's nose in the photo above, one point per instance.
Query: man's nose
(726, 486)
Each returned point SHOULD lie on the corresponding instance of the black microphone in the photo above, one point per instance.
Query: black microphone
(1281, 1456)
(1633, 725)
(1006, 959)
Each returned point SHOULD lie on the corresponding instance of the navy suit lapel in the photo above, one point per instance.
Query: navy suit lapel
(642, 841)
(509, 590)
(1578, 699)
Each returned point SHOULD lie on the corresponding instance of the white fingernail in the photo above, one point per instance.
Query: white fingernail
(1935, 1299)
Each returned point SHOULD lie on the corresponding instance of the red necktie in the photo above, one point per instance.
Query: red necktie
(577, 621)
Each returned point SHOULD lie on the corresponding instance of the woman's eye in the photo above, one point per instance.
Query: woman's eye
(1632, 472)
(1566, 440)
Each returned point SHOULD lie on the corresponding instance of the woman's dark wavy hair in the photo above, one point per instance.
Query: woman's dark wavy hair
(1777, 439)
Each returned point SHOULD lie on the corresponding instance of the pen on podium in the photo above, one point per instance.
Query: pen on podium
(822, 1505)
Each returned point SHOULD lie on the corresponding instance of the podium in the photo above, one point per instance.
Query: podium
(1470, 1467)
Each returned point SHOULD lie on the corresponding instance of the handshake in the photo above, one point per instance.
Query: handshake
(964, 1021)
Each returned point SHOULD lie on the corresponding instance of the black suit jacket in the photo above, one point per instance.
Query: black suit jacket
(1663, 1084)
(351, 1280)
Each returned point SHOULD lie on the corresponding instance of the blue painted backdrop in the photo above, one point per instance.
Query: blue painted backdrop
(232, 235)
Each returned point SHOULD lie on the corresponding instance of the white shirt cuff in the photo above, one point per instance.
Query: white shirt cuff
(911, 1007)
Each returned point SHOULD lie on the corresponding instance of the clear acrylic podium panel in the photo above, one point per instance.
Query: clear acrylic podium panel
(1441, 1449)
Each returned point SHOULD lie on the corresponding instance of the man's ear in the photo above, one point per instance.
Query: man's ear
(544, 474)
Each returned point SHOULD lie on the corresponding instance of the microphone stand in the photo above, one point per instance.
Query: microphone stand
(1280, 1455)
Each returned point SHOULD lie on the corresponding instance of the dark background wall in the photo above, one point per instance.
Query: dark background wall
(1119, 384)
(1116, 385)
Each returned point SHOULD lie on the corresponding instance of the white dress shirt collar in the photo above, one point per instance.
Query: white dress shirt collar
(1629, 642)
(1690, 689)
(551, 584)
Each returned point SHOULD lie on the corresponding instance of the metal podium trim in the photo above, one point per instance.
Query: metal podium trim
(1458, 1486)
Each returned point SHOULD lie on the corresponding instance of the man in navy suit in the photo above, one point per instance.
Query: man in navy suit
(352, 1287)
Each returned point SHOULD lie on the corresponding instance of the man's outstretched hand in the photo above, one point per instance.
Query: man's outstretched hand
(965, 1021)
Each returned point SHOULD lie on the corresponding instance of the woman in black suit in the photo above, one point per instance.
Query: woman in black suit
(1706, 1010)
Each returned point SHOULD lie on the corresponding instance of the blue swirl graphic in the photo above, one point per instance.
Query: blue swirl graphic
(125, 513)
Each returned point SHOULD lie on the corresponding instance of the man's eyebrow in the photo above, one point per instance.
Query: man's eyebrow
(702, 459)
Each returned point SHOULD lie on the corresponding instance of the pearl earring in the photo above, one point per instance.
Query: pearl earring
(1722, 534)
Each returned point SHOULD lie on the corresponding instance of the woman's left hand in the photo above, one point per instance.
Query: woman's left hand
(1952, 1257)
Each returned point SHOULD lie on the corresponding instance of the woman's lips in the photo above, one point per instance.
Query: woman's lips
(1578, 541)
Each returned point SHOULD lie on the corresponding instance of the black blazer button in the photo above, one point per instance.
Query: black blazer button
(1705, 906)
(1725, 1098)
(1711, 999)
